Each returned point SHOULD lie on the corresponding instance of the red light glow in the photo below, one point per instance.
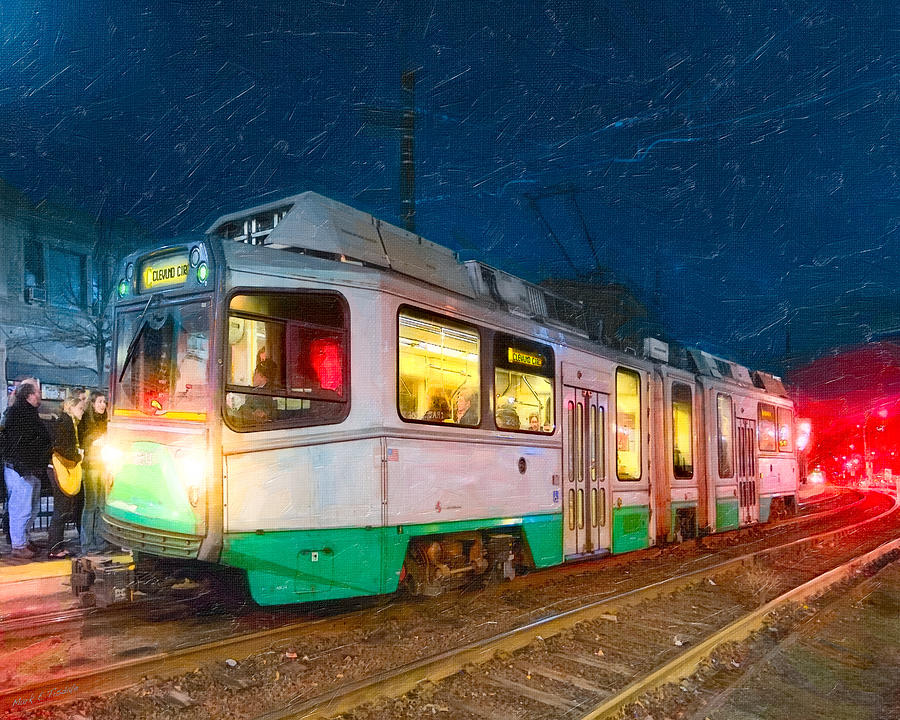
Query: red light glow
(325, 359)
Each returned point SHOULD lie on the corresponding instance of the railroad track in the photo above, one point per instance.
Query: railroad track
(46, 623)
(844, 634)
(592, 661)
(123, 674)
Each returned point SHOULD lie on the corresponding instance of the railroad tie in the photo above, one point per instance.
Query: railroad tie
(471, 708)
(561, 677)
(540, 696)
(598, 663)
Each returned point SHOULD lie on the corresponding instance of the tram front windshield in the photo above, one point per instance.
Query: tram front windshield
(162, 360)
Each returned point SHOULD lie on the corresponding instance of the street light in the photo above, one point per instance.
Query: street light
(882, 413)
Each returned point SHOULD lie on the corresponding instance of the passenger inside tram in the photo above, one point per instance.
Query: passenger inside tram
(507, 417)
(467, 407)
(438, 409)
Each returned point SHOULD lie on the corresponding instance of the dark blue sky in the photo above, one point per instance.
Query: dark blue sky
(735, 162)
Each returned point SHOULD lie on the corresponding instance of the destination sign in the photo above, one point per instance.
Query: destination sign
(524, 358)
(165, 272)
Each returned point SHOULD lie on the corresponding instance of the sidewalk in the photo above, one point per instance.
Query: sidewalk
(13, 570)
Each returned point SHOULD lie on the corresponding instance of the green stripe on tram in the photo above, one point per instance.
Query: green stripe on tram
(765, 508)
(726, 513)
(291, 566)
(631, 528)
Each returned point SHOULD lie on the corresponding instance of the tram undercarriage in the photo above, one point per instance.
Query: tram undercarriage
(437, 563)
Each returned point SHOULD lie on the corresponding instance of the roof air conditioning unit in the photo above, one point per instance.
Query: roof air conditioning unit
(656, 349)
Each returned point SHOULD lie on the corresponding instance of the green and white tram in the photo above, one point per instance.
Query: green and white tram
(334, 406)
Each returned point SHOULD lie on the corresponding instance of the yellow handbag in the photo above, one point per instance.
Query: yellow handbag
(67, 474)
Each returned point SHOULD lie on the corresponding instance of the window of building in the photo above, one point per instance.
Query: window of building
(288, 360)
(33, 280)
(54, 275)
(785, 430)
(628, 424)
(726, 436)
(66, 273)
(439, 376)
(34, 264)
(523, 385)
(766, 427)
(682, 431)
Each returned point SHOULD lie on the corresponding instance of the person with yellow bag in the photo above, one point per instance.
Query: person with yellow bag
(65, 473)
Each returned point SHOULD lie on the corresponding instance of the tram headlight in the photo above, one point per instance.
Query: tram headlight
(191, 468)
(112, 456)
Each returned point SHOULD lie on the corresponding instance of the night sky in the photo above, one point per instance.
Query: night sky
(735, 162)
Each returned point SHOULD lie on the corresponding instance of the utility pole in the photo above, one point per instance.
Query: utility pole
(404, 120)
(407, 151)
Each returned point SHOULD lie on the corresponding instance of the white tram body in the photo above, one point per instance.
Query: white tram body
(335, 405)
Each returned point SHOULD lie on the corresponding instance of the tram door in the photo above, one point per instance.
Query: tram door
(747, 471)
(585, 484)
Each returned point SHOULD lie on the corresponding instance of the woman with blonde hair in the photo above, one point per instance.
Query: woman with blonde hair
(92, 429)
(65, 443)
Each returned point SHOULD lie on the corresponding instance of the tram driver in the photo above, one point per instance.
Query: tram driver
(260, 408)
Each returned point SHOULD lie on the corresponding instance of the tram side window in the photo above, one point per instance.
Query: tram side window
(766, 427)
(287, 360)
(523, 385)
(726, 436)
(439, 376)
(682, 422)
(628, 424)
(785, 430)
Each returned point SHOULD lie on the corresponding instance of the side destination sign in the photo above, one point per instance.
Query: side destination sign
(167, 271)
(523, 358)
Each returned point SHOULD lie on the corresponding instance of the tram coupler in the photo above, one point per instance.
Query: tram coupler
(102, 584)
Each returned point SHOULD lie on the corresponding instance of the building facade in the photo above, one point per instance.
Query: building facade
(56, 280)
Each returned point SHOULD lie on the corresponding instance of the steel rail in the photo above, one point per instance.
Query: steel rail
(13, 622)
(687, 662)
(805, 630)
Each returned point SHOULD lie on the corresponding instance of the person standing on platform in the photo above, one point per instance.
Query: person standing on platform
(26, 452)
(65, 442)
(3, 486)
(4, 493)
(78, 505)
(92, 428)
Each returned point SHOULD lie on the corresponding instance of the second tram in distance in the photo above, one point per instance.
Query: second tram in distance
(334, 406)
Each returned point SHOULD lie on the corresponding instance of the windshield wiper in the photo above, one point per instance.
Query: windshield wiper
(132, 346)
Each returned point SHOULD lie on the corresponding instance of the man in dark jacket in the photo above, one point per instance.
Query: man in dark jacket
(26, 452)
